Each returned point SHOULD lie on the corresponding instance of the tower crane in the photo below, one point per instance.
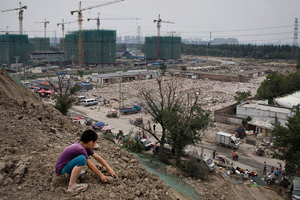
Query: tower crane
(158, 21)
(98, 19)
(21, 10)
(79, 11)
(63, 31)
(45, 25)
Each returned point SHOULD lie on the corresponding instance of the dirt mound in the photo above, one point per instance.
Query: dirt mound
(32, 136)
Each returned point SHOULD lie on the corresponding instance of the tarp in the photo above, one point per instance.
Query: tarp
(42, 91)
(78, 117)
(99, 124)
(108, 127)
(50, 92)
(240, 132)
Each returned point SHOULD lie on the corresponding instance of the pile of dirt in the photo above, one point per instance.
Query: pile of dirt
(32, 136)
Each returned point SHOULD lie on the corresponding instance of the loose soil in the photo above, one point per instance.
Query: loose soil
(33, 134)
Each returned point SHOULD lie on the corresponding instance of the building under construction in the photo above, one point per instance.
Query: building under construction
(169, 48)
(39, 44)
(98, 47)
(13, 47)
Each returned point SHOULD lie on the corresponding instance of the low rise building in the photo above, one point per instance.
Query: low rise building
(125, 76)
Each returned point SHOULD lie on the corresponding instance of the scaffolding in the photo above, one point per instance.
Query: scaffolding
(170, 48)
(98, 47)
(12, 46)
(39, 44)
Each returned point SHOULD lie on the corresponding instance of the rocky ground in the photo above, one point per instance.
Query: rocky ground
(33, 134)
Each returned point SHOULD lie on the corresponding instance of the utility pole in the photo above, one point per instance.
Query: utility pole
(120, 90)
(139, 36)
(295, 42)
(17, 67)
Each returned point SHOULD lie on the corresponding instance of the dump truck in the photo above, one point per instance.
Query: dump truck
(134, 109)
(227, 139)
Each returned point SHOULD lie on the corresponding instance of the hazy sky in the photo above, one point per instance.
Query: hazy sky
(259, 21)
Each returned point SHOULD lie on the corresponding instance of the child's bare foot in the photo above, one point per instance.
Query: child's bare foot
(77, 188)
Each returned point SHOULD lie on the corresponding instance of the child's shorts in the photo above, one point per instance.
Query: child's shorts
(78, 161)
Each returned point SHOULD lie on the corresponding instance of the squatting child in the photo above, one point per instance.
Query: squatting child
(76, 156)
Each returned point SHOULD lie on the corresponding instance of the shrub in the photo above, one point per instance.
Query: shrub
(194, 169)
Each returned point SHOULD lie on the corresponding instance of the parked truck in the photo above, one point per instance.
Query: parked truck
(227, 139)
(134, 109)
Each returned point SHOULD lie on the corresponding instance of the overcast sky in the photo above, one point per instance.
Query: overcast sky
(253, 21)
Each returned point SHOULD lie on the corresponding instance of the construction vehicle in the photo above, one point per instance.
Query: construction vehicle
(21, 10)
(79, 11)
(132, 110)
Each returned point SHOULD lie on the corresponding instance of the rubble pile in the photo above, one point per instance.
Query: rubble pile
(213, 94)
(32, 136)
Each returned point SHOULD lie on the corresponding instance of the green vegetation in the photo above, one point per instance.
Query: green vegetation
(242, 51)
(184, 125)
(298, 61)
(242, 95)
(245, 121)
(194, 169)
(276, 85)
(65, 92)
(288, 138)
(109, 137)
(178, 115)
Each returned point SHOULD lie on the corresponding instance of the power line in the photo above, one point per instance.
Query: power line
(236, 30)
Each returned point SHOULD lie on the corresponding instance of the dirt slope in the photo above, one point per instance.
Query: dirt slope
(33, 134)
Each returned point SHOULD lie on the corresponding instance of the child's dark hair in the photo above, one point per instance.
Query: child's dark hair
(88, 135)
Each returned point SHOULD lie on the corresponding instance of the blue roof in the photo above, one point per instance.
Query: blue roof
(84, 84)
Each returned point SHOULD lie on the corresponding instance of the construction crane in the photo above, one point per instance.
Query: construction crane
(63, 31)
(98, 19)
(45, 25)
(21, 10)
(79, 11)
(158, 21)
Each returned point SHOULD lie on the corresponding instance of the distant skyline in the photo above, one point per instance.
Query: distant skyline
(256, 21)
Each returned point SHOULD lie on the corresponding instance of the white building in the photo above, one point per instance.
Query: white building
(263, 112)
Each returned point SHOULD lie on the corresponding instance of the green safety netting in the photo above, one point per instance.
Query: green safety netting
(172, 180)
(98, 46)
(169, 47)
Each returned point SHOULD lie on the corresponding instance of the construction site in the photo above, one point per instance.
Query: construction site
(82, 48)
(34, 133)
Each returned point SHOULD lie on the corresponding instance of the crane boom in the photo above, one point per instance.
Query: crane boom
(21, 10)
(79, 11)
(158, 21)
(45, 25)
(132, 18)
(98, 19)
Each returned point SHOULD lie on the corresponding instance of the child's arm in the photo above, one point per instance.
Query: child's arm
(104, 163)
(95, 170)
